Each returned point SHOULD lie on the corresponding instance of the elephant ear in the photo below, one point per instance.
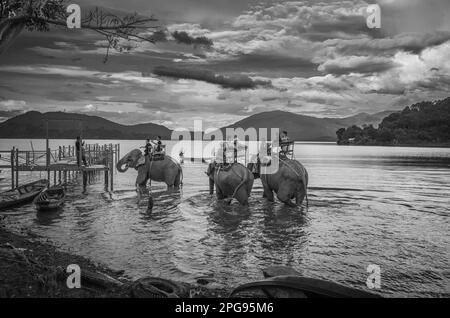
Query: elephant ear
(140, 161)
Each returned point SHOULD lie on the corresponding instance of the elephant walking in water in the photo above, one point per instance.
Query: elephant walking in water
(234, 181)
(164, 170)
(289, 181)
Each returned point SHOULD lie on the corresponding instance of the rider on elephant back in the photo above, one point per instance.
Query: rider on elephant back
(148, 148)
(283, 143)
(227, 150)
(236, 147)
(158, 150)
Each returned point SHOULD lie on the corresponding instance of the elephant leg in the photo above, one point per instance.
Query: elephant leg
(141, 183)
(286, 192)
(211, 186)
(268, 194)
(141, 190)
(242, 196)
(177, 182)
(299, 198)
(219, 193)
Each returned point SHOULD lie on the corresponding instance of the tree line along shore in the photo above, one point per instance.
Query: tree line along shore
(422, 124)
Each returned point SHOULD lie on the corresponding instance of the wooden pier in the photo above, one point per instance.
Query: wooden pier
(64, 164)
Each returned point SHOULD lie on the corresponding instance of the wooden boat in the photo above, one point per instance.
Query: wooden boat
(22, 194)
(50, 199)
(293, 286)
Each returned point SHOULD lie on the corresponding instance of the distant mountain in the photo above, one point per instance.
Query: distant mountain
(306, 128)
(68, 125)
(363, 119)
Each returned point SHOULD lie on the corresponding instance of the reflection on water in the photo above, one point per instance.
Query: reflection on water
(368, 205)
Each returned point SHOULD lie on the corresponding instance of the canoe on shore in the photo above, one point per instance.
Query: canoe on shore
(50, 199)
(294, 286)
(22, 194)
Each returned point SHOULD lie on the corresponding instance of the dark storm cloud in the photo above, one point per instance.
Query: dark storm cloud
(356, 64)
(342, 25)
(409, 42)
(266, 65)
(183, 37)
(389, 91)
(232, 81)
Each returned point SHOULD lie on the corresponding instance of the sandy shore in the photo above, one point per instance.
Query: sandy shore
(30, 268)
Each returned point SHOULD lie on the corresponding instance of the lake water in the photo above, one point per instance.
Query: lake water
(368, 205)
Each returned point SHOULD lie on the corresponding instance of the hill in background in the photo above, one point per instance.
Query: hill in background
(68, 125)
(306, 128)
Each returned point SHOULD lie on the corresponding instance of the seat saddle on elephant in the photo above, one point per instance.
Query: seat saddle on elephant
(223, 166)
(157, 155)
(284, 151)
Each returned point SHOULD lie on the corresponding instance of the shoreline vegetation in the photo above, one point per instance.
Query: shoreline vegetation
(33, 269)
(425, 124)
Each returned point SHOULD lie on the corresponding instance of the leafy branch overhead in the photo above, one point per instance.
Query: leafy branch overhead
(39, 15)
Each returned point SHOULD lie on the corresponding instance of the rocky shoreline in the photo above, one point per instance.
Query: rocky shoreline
(30, 268)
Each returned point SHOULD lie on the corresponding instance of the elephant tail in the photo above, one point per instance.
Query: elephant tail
(303, 177)
(246, 177)
(305, 183)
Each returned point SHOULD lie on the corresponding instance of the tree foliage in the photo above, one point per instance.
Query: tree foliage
(40, 15)
(421, 123)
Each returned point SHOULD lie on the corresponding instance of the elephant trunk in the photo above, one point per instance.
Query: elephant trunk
(120, 165)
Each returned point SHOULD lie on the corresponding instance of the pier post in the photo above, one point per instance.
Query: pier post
(59, 159)
(17, 167)
(12, 168)
(106, 179)
(47, 162)
(84, 180)
(111, 167)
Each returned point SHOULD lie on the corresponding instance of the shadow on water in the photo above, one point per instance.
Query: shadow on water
(47, 218)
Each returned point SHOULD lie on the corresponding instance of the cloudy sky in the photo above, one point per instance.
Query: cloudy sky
(308, 57)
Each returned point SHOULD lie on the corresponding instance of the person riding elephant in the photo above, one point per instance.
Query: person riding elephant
(231, 181)
(164, 170)
(289, 181)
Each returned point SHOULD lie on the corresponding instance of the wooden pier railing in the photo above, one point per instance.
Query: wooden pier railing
(65, 162)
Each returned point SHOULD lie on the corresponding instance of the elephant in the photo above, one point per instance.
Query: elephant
(235, 182)
(166, 170)
(289, 181)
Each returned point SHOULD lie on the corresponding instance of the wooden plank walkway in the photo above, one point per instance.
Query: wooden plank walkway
(63, 163)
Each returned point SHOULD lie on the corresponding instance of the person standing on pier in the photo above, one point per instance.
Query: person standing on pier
(79, 147)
